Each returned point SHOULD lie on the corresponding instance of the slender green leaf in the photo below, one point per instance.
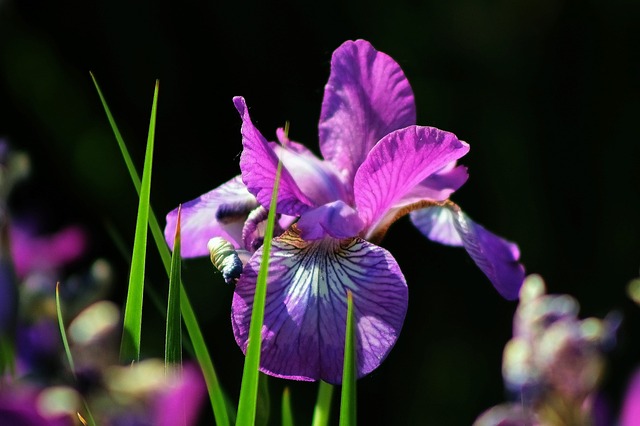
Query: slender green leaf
(322, 409)
(249, 386)
(158, 236)
(132, 330)
(67, 351)
(287, 414)
(63, 333)
(263, 403)
(173, 338)
(7, 356)
(222, 409)
(348, 397)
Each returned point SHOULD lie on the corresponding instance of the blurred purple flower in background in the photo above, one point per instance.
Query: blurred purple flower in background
(554, 363)
(35, 386)
(377, 166)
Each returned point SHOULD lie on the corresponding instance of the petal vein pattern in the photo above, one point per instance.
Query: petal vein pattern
(367, 96)
(399, 162)
(305, 312)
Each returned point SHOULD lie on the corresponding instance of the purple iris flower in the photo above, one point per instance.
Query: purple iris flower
(377, 166)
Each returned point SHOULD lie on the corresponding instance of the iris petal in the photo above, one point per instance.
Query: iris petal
(495, 256)
(336, 219)
(367, 96)
(259, 163)
(305, 312)
(437, 224)
(401, 161)
(218, 213)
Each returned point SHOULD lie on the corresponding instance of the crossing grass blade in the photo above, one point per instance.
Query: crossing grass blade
(287, 414)
(222, 410)
(348, 397)
(322, 409)
(65, 342)
(250, 374)
(132, 330)
(173, 338)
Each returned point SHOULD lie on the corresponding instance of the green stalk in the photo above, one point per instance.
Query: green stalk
(132, 330)
(250, 374)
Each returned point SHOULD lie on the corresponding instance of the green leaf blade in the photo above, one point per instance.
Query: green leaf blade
(287, 413)
(132, 330)
(250, 374)
(322, 410)
(222, 411)
(349, 376)
(173, 337)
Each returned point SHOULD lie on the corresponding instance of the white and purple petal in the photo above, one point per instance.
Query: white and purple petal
(218, 213)
(495, 256)
(259, 164)
(305, 311)
(437, 224)
(397, 164)
(367, 96)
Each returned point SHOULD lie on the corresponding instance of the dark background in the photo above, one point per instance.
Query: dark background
(547, 93)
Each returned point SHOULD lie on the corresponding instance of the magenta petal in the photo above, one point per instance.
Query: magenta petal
(440, 185)
(315, 178)
(367, 97)
(259, 164)
(181, 402)
(218, 213)
(305, 312)
(630, 415)
(336, 219)
(496, 257)
(397, 164)
(31, 252)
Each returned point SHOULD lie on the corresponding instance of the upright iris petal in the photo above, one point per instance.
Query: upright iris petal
(377, 165)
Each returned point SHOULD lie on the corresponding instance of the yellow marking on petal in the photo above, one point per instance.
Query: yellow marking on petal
(377, 234)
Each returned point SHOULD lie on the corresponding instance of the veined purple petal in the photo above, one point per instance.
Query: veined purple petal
(367, 97)
(397, 164)
(218, 213)
(496, 257)
(259, 164)
(306, 305)
(336, 219)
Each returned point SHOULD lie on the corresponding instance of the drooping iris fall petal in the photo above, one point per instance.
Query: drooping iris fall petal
(306, 306)
(496, 257)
